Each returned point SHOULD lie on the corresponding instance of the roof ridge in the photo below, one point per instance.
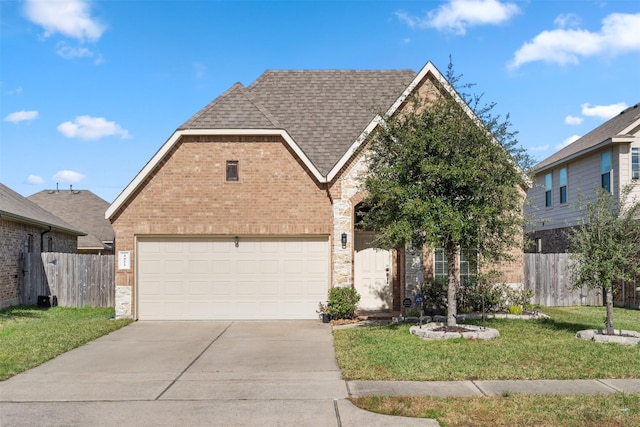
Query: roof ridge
(252, 99)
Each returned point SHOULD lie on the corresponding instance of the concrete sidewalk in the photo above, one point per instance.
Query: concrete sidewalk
(490, 388)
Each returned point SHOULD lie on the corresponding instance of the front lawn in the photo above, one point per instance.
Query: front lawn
(29, 336)
(526, 349)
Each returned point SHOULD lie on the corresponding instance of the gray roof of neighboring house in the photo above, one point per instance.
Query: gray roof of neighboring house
(84, 210)
(324, 111)
(16, 208)
(602, 133)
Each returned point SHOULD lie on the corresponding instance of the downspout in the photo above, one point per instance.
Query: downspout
(42, 238)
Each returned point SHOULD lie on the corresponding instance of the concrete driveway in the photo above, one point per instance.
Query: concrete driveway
(280, 373)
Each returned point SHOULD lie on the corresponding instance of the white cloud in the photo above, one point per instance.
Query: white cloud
(68, 52)
(603, 111)
(199, 70)
(34, 179)
(567, 20)
(458, 15)
(68, 176)
(21, 116)
(567, 141)
(539, 148)
(91, 128)
(16, 91)
(620, 33)
(71, 18)
(573, 120)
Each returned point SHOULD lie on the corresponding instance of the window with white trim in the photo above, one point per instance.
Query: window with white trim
(605, 171)
(548, 187)
(635, 162)
(563, 185)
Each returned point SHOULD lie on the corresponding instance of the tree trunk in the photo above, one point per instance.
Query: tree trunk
(452, 284)
(609, 321)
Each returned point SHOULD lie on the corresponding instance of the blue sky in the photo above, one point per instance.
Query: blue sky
(90, 90)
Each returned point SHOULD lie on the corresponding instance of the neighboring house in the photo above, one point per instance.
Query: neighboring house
(248, 211)
(607, 157)
(85, 211)
(26, 227)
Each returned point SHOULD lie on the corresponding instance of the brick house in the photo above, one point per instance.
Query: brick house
(84, 210)
(26, 227)
(248, 211)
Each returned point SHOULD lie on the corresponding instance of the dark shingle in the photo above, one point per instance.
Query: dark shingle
(17, 208)
(323, 110)
(84, 210)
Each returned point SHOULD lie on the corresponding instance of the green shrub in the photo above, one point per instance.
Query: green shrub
(515, 309)
(342, 303)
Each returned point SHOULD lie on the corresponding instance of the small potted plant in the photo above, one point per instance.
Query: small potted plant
(323, 310)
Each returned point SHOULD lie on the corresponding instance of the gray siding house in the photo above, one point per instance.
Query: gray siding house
(607, 157)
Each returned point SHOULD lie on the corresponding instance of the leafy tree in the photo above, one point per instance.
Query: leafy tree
(446, 174)
(606, 244)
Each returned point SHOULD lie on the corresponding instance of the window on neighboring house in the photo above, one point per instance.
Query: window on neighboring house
(30, 243)
(440, 273)
(635, 163)
(605, 171)
(232, 170)
(468, 266)
(563, 185)
(548, 186)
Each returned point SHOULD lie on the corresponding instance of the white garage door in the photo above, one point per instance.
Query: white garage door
(212, 278)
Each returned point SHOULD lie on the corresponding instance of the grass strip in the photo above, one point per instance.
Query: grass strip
(526, 349)
(615, 410)
(29, 336)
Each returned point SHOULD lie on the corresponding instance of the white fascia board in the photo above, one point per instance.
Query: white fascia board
(578, 155)
(631, 127)
(168, 145)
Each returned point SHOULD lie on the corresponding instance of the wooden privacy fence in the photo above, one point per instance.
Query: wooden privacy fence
(549, 276)
(75, 280)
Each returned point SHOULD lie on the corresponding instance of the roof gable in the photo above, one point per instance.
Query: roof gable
(19, 209)
(324, 111)
(84, 210)
(322, 115)
(625, 125)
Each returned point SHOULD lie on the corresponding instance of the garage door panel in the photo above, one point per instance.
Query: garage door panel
(211, 278)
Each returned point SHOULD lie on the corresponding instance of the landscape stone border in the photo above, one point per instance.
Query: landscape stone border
(428, 332)
(620, 337)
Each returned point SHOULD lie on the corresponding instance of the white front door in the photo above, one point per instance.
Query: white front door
(372, 271)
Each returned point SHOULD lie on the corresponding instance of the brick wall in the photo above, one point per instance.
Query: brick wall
(187, 194)
(552, 241)
(13, 241)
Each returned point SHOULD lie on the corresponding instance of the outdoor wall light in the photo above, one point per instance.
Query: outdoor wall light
(236, 240)
(343, 239)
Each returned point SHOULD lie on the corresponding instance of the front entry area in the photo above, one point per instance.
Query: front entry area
(372, 273)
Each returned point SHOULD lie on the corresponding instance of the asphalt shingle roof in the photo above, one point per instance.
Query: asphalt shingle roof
(607, 130)
(84, 210)
(20, 209)
(324, 111)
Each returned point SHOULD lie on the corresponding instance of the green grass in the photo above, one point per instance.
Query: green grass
(526, 349)
(616, 410)
(29, 336)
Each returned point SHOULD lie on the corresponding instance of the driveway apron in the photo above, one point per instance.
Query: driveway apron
(189, 373)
